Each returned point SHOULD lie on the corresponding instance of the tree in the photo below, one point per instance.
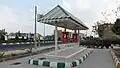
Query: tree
(3, 32)
(27, 38)
(16, 37)
(22, 37)
(116, 27)
(18, 33)
(2, 38)
(59, 39)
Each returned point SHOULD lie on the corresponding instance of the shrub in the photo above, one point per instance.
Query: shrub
(16, 37)
(2, 37)
(116, 41)
(59, 39)
(22, 37)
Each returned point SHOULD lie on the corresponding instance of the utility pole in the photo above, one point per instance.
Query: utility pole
(35, 27)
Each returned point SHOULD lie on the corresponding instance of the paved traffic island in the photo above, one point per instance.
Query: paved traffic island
(66, 53)
(63, 62)
(116, 57)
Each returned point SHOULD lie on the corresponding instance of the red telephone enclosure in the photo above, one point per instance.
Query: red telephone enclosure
(65, 37)
(75, 38)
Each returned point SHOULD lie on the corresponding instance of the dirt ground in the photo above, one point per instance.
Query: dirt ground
(117, 52)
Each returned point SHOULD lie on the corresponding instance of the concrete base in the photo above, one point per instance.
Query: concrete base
(55, 63)
(65, 53)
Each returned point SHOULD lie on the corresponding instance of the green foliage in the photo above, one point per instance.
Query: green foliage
(91, 41)
(88, 38)
(27, 38)
(2, 54)
(70, 40)
(116, 27)
(2, 38)
(116, 41)
(2, 32)
(16, 37)
(22, 37)
(100, 31)
(59, 39)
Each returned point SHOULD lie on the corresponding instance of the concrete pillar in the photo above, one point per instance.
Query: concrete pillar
(65, 27)
(56, 38)
(65, 30)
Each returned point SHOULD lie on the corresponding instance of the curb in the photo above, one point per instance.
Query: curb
(48, 63)
(77, 62)
(62, 46)
(117, 62)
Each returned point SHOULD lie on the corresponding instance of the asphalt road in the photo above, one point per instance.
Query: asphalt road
(100, 58)
(12, 47)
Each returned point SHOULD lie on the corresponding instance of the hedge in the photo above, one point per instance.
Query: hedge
(14, 41)
(99, 42)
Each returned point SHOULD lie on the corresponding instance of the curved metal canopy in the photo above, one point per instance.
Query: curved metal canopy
(63, 19)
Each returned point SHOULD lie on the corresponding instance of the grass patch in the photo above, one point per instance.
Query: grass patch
(20, 55)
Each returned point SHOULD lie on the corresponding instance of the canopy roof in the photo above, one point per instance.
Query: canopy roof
(63, 19)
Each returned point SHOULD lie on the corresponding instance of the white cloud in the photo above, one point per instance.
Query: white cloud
(8, 19)
(89, 11)
(67, 6)
(12, 21)
(109, 6)
(82, 4)
(76, 4)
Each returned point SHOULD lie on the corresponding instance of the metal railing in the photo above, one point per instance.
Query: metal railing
(24, 45)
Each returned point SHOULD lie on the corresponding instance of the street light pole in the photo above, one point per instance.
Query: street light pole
(78, 37)
(35, 27)
(44, 32)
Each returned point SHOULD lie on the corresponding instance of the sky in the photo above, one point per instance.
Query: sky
(18, 15)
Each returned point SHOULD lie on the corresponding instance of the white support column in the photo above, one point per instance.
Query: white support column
(65, 30)
(56, 39)
(65, 27)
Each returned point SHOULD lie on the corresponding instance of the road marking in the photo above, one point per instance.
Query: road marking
(76, 53)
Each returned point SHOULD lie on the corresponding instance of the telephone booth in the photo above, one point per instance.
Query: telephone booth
(65, 37)
(75, 38)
